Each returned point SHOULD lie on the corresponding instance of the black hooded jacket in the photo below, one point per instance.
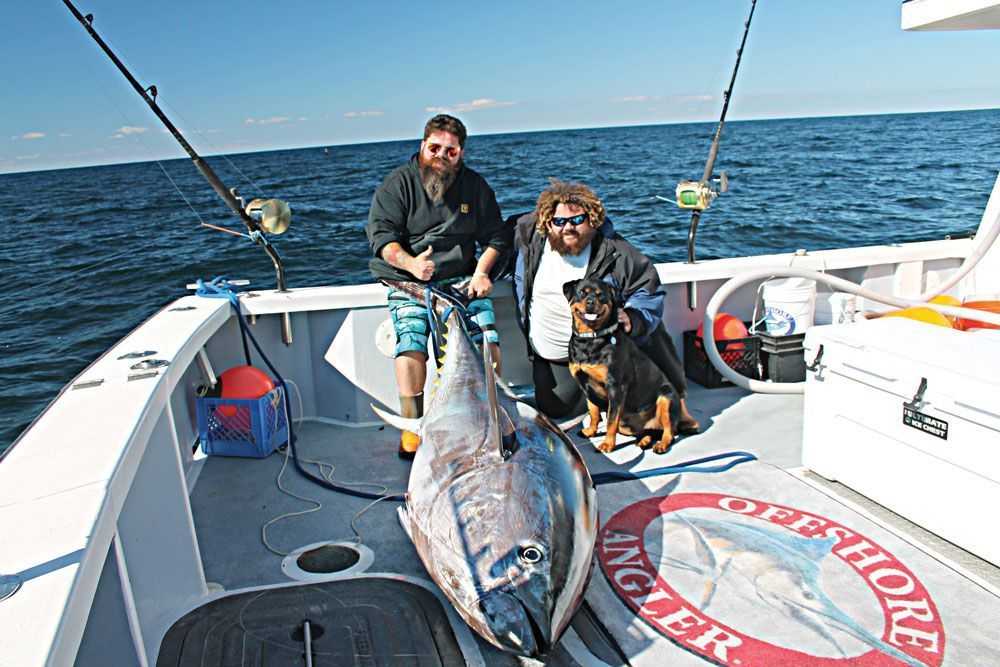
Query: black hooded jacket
(468, 216)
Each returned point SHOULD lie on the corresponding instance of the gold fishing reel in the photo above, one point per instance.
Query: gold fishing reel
(273, 215)
(698, 195)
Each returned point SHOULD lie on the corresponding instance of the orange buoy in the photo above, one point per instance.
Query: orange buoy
(726, 327)
(244, 382)
(987, 306)
(921, 314)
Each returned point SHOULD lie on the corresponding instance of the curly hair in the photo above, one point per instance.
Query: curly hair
(445, 123)
(575, 194)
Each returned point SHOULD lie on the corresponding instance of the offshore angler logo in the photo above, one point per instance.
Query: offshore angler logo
(747, 582)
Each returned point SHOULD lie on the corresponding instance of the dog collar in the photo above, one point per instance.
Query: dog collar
(597, 334)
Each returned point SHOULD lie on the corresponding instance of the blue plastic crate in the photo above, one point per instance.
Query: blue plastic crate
(252, 427)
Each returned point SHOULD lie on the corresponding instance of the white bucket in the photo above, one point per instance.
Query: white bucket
(843, 305)
(789, 304)
(835, 308)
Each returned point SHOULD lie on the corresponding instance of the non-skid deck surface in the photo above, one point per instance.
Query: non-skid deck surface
(363, 622)
(743, 585)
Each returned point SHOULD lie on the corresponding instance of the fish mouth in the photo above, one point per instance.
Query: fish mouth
(513, 627)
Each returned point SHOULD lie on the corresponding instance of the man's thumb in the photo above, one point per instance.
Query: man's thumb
(427, 252)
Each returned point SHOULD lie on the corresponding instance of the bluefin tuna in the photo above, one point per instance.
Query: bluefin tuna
(500, 505)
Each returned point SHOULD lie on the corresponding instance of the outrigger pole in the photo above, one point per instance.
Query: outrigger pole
(699, 195)
(275, 213)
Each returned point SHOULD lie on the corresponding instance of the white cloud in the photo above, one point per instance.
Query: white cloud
(130, 129)
(65, 134)
(273, 120)
(28, 157)
(302, 119)
(32, 135)
(475, 105)
(669, 99)
(696, 98)
(363, 114)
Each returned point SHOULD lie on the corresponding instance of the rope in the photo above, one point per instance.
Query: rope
(694, 465)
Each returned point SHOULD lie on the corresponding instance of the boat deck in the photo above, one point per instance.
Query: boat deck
(687, 595)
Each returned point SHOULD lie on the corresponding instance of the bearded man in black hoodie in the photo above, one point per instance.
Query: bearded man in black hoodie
(427, 219)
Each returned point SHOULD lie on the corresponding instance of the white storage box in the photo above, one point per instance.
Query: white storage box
(932, 456)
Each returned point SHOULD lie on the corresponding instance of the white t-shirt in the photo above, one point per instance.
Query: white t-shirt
(551, 322)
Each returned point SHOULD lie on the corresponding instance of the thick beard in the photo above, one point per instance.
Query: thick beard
(560, 246)
(436, 181)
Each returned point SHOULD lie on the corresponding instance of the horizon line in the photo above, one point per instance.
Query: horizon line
(495, 134)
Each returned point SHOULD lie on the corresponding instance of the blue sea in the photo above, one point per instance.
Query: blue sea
(89, 253)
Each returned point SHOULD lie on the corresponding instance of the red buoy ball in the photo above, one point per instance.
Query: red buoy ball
(244, 382)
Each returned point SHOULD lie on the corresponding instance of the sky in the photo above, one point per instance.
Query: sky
(239, 76)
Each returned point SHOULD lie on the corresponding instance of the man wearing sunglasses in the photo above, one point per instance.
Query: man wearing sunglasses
(426, 221)
(568, 237)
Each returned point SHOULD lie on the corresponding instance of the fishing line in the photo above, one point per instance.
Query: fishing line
(137, 136)
(219, 154)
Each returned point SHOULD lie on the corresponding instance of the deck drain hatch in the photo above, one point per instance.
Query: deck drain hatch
(328, 559)
(323, 560)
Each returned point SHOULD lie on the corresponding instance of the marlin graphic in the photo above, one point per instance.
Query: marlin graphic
(499, 505)
(784, 570)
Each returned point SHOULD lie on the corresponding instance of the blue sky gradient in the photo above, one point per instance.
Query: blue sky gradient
(244, 76)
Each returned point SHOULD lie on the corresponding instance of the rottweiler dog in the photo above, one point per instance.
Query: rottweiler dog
(615, 374)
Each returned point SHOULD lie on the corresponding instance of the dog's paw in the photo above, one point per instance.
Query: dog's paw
(606, 446)
(663, 446)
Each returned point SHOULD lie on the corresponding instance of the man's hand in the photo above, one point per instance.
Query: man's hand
(624, 320)
(421, 266)
(479, 286)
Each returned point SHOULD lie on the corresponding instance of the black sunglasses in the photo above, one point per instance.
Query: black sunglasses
(575, 220)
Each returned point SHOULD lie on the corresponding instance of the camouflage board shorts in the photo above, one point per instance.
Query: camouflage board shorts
(409, 319)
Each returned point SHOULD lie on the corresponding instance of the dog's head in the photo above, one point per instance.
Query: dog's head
(592, 303)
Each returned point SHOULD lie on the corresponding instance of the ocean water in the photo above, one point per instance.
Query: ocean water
(89, 253)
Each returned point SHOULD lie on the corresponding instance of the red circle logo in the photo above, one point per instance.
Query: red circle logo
(755, 583)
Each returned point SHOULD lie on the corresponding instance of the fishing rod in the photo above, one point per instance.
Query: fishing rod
(699, 195)
(259, 215)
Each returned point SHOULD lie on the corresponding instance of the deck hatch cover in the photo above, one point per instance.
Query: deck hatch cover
(365, 621)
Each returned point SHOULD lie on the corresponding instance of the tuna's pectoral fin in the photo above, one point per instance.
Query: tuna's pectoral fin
(402, 423)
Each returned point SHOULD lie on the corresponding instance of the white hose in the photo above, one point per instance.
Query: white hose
(838, 284)
(982, 247)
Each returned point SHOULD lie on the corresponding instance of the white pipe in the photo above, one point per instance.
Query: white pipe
(841, 285)
(970, 263)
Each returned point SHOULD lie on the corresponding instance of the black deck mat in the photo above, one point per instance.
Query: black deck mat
(366, 622)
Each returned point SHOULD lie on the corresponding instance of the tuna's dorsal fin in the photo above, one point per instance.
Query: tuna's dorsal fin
(402, 423)
(505, 426)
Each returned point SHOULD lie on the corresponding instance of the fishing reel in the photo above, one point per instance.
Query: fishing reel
(698, 195)
(273, 215)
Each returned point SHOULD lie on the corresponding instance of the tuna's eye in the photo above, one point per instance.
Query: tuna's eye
(530, 554)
